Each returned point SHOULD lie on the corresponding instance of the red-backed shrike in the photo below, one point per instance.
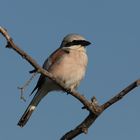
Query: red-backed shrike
(68, 64)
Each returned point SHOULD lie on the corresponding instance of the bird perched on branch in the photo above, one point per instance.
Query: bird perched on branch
(68, 64)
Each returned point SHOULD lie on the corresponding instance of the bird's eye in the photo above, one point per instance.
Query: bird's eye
(78, 42)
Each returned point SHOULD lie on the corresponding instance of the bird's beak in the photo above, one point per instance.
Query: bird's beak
(85, 43)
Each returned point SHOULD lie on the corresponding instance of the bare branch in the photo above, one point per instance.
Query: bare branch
(83, 127)
(92, 106)
(120, 95)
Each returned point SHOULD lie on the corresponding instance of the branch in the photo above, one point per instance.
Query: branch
(83, 127)
(92, 106)
(120, 95)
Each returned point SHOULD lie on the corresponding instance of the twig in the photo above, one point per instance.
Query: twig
(22, 88)
(92, 106)
(121, 94)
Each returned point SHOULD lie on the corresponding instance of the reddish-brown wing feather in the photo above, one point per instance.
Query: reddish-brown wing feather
(55, 57)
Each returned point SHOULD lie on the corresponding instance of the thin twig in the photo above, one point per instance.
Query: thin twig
(22, 88)
(121, 94)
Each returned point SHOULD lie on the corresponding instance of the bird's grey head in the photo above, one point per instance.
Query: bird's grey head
(74, 39)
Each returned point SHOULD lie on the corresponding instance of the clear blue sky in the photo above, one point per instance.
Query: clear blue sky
(113, 26)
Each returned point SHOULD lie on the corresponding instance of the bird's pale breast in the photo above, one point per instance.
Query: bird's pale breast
(71, 68)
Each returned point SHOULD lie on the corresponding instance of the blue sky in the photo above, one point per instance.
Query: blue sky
(38, 27)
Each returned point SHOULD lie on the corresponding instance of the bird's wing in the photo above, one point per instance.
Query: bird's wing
(41, 80)
(55, 57)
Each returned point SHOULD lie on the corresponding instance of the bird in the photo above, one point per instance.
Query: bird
(67, 64)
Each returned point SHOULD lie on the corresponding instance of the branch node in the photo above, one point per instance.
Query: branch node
(97, 109)
(94, 100)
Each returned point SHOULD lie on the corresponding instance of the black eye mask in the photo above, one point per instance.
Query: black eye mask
(78, 42)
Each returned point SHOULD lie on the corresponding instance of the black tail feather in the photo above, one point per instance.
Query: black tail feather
(25, 117)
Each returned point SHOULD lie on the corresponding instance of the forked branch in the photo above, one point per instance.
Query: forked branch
(92, 106)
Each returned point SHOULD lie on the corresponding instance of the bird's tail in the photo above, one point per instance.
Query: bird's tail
(28, 112)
